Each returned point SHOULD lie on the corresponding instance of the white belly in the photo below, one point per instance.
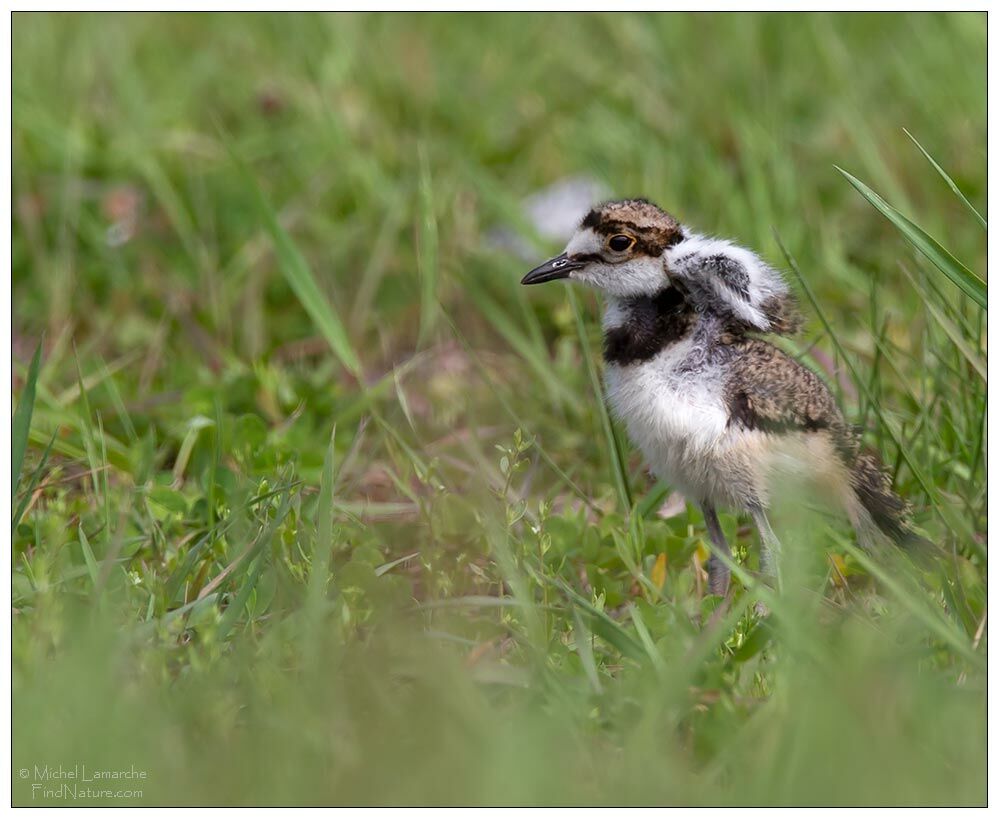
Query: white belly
(677, 419)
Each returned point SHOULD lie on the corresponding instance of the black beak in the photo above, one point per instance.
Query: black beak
(557, 268)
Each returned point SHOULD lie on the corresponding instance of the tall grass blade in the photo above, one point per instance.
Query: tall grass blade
(950, 328)
(87, 431)
(950, 182)
(32, 484)
(956, 522)
(925, 244)
(427, 258)
(299, 277)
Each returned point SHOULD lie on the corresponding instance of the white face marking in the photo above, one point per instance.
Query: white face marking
(641, 276)
(583, 241)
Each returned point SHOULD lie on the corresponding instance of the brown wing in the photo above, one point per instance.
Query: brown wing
(770, 391)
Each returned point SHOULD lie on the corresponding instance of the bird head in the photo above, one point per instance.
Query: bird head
(618, 249)
(634, 249)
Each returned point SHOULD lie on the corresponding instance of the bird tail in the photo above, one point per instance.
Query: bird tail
(884, 508)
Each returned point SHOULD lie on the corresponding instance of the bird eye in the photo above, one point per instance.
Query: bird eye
(620, 242)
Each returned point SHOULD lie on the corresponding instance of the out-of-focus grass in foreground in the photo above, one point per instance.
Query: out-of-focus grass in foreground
(318, 507)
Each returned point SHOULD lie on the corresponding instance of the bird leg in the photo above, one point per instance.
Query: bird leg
(718, 571)
(769, 546)
(769, 555)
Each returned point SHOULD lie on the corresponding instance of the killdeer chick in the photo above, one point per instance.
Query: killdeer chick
(717, 412)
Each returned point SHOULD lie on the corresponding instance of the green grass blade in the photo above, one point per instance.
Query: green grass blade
(537, 358)
(514, 416)
(950, 182)
(21, 424)
(646, 638)
(427, 257)
(944, 629)
(652, 500)
(87, 432)
(180, 575)
(956, 522)
(257, 558)
(40, 437)
(236, 606)
(584, 649)
(950, 328)
(299, 277)
(854, 375)
(88, 556)
(387, 567)
(103, 374)
(33, 482)
(319, 572)
(603, 625)
(925, 244)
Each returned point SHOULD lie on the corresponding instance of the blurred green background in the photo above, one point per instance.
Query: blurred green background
(318, 506)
